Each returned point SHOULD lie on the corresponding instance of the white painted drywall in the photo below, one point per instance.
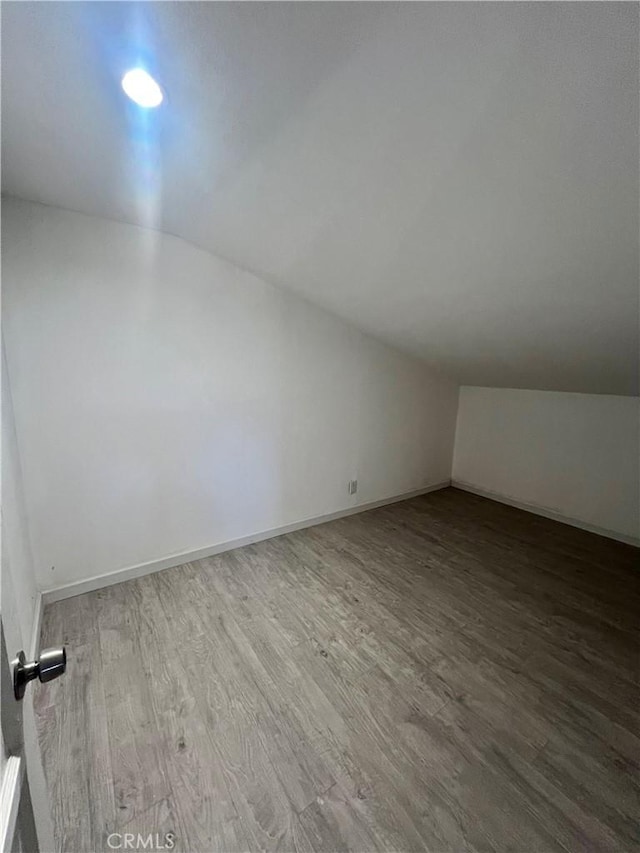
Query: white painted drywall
(573, 454)
(17, 560)
(20, 606)
(477, 160)
(167, 401)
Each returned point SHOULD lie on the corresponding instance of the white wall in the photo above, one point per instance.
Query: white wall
(572, 454)
(19, 605)
(167, 401)
(18, 576)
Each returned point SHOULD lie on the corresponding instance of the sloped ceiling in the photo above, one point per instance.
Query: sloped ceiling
(460, 180)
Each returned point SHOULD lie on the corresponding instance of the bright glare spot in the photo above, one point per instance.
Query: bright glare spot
(142, 88)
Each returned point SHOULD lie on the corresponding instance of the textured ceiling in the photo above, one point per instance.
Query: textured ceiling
(460, 180)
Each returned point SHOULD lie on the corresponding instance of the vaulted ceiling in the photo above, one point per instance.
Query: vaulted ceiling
(458, 179)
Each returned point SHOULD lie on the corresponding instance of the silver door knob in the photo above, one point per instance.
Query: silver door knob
(50, 664)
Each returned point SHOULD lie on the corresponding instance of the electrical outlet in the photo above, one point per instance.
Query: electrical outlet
(353, 487)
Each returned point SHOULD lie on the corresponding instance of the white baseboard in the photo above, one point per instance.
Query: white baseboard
(35, 630)
(546, 513)
(121, 575)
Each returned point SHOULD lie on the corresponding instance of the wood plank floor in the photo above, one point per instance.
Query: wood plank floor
(443, 674)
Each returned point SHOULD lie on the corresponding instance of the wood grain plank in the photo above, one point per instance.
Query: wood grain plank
(444, 674)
